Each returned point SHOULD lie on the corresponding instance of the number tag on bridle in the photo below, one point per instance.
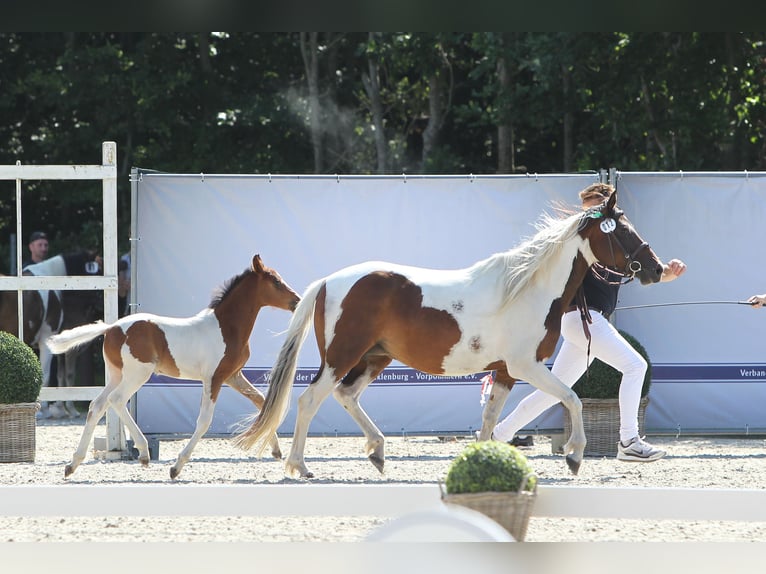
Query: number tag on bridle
(91, 267)
(608, 225)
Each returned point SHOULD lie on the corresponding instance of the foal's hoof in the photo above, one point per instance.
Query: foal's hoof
(68, 470)
(377, 462)
(277, 454)
(174, 472)
(574, 465)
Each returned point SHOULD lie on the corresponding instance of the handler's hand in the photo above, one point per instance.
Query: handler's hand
(757, 300)
(673, 270)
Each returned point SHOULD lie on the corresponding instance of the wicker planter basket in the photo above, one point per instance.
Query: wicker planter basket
(17, 432)
(601, 418)
(511, 510)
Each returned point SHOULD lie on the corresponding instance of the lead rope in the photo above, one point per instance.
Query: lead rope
(582, 306)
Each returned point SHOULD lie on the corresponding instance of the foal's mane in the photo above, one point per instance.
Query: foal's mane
(518, 266)
(221, 292)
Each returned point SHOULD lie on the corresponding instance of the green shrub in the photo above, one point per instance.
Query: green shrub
(489, 466)
(21, 375)
(603, 382)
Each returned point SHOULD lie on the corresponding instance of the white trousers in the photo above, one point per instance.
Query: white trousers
(607, 345)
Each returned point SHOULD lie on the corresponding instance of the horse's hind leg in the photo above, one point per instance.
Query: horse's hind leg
(118, 400)
(500, 391)
(347, 393)
(205, 417)
(118, 389)
(239, 383)
(308, 404)
(96, 410)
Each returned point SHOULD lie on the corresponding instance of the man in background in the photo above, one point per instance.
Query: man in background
(38, 249)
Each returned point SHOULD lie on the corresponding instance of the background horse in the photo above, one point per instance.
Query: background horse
(501, 313)
(212, 346)
(46, 312)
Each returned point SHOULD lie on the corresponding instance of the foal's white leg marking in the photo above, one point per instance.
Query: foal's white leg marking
(538, 375)
(118, 400)
(308, 404)
(240, 383)
(96, 410)
(492, 410)
(123, 385)
(205, 417)
(348, 397)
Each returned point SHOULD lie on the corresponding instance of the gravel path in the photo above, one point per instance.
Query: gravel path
(692, 462)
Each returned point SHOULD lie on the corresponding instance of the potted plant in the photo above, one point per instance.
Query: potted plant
(21, 378)
(494, 478)
(598, 390)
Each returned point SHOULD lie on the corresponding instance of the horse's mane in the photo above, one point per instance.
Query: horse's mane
(518, 266)
(220, 293)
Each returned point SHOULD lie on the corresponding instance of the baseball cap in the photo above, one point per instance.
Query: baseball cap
(37, 235)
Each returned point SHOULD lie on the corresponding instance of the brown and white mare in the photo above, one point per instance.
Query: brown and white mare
(212, 347)
(503, 313)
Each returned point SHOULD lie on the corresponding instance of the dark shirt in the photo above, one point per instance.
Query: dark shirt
(599, 294)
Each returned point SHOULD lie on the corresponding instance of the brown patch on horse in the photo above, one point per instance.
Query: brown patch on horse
(114, 339)
(319, 310)
(395, 319)
(502, 376)
(148, 344)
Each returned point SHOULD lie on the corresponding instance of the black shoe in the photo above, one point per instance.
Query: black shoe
(518, 441)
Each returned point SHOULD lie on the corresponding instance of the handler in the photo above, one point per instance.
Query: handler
(606, 344)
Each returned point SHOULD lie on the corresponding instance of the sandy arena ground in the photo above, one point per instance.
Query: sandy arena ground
(692, 462)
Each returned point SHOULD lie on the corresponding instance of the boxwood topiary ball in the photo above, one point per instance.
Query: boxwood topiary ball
(21, 375)
(489, 466)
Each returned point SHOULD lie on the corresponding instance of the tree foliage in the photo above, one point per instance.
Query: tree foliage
(444, 102)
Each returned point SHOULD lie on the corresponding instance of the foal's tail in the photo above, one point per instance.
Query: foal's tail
(70, 338)
(282, 376)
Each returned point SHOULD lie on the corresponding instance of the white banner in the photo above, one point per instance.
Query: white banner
(709, 367)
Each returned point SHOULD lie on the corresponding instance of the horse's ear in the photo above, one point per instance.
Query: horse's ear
(257, 263)
(612, 201)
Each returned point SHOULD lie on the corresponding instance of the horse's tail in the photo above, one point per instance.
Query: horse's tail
(282, 377)
(75, 337)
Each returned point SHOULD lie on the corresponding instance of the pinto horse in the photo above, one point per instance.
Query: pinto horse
(503, 312)
(212, 346)
(46, 312)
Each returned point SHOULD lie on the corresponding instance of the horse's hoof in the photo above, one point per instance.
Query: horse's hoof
(68, 470)
(377, 462)
(574, 465)
(174, 472)
(144, 460)
(277, 454)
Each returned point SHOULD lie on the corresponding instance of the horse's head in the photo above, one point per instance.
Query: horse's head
(616, 244)
(273, 290)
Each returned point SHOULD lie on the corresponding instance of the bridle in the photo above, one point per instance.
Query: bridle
(632, 265)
